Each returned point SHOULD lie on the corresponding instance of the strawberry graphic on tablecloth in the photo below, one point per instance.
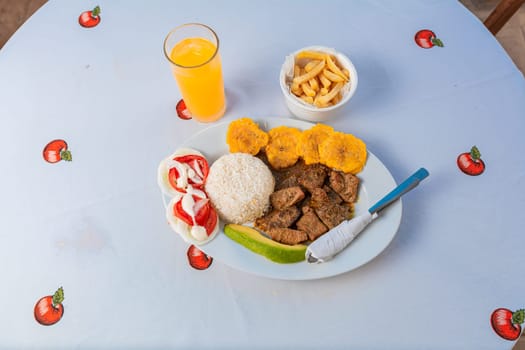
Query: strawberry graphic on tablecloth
(182, 110)
(507, 324)
(427, 39)
(198, 259)
(56, 151)
(470, 162)
(49, 309)
(89, 19)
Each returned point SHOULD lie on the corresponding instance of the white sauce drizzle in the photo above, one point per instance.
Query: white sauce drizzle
(187, 205)
(191, 207)
(199, 233)
(198, 168)
(186, 172)
(182, 180)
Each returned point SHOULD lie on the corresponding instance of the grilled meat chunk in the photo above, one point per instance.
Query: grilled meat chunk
(319, 198)
(307, 209)
(330, 213)
(286, 197)
(333, 214)
(311, 224)
(288, 177)
(313, 177)
(287, 235)
(345, 185)
(290, 181)
(294, 171)
(334, 197)
(278, 218)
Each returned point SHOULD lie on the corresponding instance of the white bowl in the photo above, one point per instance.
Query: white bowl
(309, 112)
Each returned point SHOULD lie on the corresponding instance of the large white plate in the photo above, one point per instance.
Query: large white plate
(376, 181)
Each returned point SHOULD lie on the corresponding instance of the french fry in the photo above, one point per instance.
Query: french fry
(323, 100)
(337, 98)
(314, 84)
(296, 89)
(346, 73)
(324, 80)
(323, 91)
(309, 75)
(296, 70)
(307, 89)
(310, 65)
(332, 76)
(334, 68)
(317, 103)
(314, 55)
(307, 99)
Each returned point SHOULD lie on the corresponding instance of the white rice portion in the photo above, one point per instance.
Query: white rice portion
(239, 187)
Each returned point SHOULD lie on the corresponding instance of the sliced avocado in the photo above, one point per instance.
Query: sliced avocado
(257, 243)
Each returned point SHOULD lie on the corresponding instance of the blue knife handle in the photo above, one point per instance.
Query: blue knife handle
(400, 190)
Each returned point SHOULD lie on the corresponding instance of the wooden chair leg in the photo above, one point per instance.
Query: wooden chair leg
(501, 14)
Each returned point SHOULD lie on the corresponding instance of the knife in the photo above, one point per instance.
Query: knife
(334, 241)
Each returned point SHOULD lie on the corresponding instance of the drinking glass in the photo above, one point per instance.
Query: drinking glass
(193, 52)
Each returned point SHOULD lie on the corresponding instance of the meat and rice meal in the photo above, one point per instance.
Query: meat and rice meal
(293, 185)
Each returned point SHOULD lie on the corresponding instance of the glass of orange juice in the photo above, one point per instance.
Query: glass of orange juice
(193, 52)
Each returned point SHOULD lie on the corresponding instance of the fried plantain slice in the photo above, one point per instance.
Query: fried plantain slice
(343, 152)
(281, 149)
(309, 141)
(245, 136)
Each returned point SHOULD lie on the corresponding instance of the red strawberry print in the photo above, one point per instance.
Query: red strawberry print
(56, 151)
(470, 162)
(198, 259)
(89, 19)
(49, 309)
(507, 324)
(426, 39)
(182, 111)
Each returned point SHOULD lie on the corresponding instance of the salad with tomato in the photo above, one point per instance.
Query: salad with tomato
(182, 177)
(186, 167)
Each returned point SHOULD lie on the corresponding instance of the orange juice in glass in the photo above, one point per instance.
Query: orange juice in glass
(193, 51)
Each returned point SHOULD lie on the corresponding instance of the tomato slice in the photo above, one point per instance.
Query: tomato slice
(211, 222)
(206, 216)
(202, 215)
(181, 214)
(199, 165)
(173, 175)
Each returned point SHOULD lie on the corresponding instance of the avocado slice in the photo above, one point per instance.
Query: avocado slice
(259, 244)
